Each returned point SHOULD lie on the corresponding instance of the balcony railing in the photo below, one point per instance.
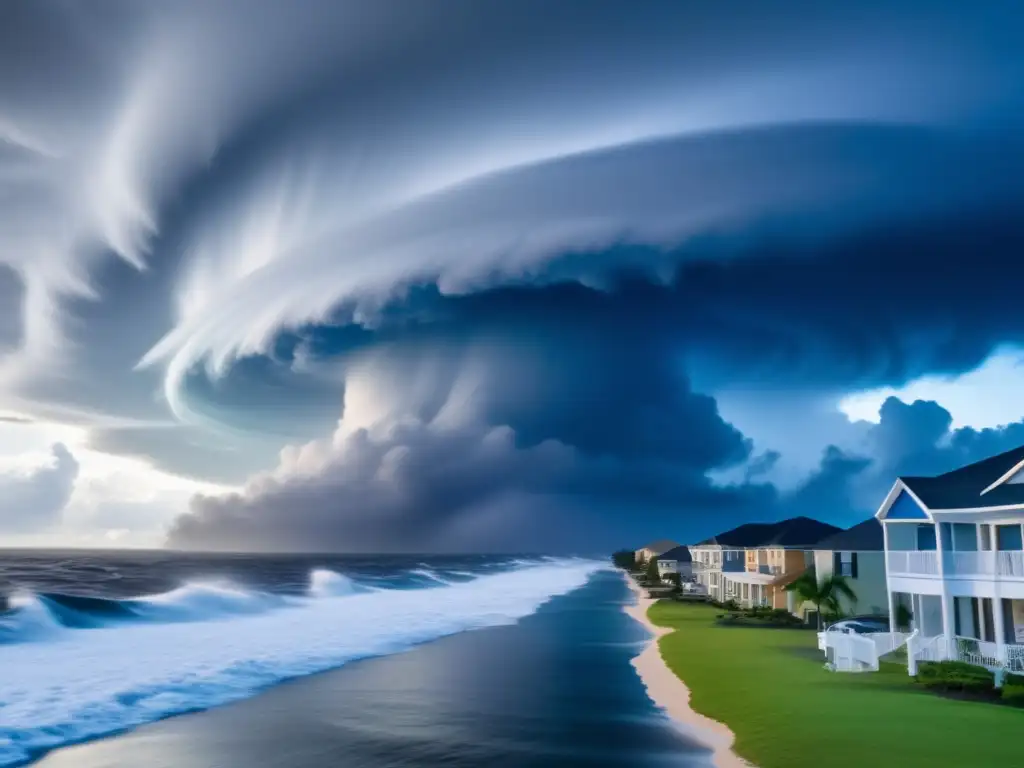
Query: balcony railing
(913, 563)
(984, 564)
(970, 563)
(1011, 564)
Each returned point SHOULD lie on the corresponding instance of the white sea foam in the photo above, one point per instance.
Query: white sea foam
(426, 573)
(82, 684)
(200, 601)
(324, 583)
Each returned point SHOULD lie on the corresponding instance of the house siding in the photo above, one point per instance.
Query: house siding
(869, 585)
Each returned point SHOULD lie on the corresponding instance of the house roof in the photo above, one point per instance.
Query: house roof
(660, 546)
(795, 532)
(680, 554)
(972, 486)
(863, 537)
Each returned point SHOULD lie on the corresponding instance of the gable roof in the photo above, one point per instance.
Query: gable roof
(680, 554)
(795, 532)
(660, 546)
(974, 486)
(863, 537)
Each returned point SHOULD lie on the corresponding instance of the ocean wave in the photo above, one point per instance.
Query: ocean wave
(140, 667)
(324, 583)
(430, 576)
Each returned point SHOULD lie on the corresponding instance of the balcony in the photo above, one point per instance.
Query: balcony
(913, 563)
(985, 564)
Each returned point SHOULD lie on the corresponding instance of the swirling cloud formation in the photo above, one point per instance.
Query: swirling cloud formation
(517, 250)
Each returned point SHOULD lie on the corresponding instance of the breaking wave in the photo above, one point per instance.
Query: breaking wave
(76, 668)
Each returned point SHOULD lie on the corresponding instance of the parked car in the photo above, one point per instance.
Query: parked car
(855, 626)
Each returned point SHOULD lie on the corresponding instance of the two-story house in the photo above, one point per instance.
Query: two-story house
(676, 560)
(778, 553)
(747, 563)
(954, 553)
(713, 557)
(858, 555)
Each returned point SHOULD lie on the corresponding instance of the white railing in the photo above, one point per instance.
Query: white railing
(1014, 658)
(929, 648)
(969, 563)
(887, 642)
(850, 652)
(985, 563)
(977, 652)
(1010, 564)
(913, 562)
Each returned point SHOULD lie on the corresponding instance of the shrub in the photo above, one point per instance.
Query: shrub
(731, 605)
(956, 677)
(624, 559)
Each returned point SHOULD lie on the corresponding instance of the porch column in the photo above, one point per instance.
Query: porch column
(997, 621)
(888, 586)
(947, 601)
(948, 625)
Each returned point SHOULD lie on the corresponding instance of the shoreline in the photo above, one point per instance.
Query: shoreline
(671, 694)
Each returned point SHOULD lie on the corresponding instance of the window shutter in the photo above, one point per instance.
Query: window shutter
(837, 564)
(853, 565)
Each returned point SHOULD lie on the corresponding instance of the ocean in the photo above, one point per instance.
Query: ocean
(306, 661)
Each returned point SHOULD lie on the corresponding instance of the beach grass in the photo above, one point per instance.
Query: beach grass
(769, 686)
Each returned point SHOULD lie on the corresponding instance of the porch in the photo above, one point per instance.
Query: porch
(750, 589)
(985, 631)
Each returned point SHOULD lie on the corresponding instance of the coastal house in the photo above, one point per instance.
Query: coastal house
(654, 549)
(858, 555)
(676, 560)
(777, 555)
(954, 556)
(713, 557)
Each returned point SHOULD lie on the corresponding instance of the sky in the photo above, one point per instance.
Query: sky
(512, 277)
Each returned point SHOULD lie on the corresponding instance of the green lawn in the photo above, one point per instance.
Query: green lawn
(770, 687)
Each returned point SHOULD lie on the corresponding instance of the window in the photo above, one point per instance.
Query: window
(1008, 538)
(926, 538)
(965, 537)
(845, 564)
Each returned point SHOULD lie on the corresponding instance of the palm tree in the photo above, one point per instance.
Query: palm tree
(825, 593)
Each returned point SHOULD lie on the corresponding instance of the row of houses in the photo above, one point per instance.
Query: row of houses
(754, 563)
(943, 557)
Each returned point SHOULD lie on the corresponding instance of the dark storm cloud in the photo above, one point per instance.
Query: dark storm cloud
(436, 434)
(909, 439)
(515, 248)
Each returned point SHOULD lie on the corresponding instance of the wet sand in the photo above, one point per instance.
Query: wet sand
(671, 694)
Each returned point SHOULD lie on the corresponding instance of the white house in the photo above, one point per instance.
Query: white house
(676, 560)
(954, 555)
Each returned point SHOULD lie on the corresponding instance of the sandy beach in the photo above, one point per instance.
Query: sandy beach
(670, 693)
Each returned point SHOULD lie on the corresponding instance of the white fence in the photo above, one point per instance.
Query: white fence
(1005, 658)
(850, 652)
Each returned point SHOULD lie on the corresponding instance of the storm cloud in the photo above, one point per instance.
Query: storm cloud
(33, 499)
(487, 274)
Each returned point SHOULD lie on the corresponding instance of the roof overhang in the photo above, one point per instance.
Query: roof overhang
(1006, 477)
(897, 488)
